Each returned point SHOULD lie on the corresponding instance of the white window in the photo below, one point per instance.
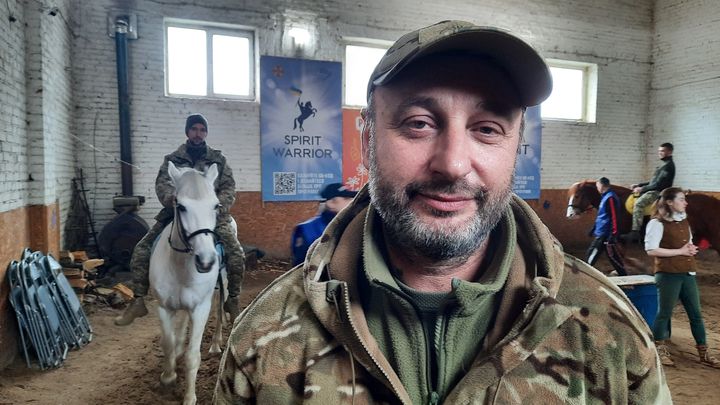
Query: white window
(361, 57)
(574, 95)
(209, 60)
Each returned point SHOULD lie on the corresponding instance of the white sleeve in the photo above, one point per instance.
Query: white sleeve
(653, 234)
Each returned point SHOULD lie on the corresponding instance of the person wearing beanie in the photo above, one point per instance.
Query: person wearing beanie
(197, 154)
(335, 197)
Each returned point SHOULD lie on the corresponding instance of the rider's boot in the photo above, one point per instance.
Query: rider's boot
(136, 309)
(232, 306)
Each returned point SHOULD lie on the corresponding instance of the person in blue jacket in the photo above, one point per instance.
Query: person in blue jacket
(605, 230)
(336, 197)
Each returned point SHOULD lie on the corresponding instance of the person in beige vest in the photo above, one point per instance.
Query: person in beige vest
(668, 239)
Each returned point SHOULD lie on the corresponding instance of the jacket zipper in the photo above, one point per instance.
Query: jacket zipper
(346, 301)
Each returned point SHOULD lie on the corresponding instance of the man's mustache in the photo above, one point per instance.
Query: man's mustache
(457, 189)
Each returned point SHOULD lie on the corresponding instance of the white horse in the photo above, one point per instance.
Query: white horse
(184, 268)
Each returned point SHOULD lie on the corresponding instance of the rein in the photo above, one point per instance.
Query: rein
(182, 233)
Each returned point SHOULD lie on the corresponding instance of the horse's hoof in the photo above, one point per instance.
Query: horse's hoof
(215, 349)
(190, 401)
(168, 381)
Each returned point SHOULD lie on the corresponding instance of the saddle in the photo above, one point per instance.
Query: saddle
(630, 205)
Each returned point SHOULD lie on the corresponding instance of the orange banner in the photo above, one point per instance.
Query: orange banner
(354, 173)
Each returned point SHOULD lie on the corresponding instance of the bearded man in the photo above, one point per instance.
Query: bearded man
(437, 284)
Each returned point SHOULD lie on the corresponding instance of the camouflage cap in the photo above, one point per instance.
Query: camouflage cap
(526, 68)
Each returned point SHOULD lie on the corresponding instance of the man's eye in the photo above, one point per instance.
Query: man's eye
(418, 124)
(487, 130)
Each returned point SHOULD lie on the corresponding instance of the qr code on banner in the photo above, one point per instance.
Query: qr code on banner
(284, 183)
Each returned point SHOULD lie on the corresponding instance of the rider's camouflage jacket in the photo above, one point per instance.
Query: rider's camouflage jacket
(224, 184)
(576, 339)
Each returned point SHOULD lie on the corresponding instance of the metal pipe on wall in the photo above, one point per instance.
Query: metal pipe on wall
(121, 29)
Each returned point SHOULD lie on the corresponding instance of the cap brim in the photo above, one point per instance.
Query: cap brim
(525, 67)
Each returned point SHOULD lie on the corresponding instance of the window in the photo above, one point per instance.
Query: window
(209, 60)
(361, 57)
(574, 94)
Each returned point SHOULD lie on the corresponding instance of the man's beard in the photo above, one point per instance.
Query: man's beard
(443, 243)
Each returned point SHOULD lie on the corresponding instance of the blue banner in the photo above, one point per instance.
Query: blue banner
(300, 127)
(527, 171)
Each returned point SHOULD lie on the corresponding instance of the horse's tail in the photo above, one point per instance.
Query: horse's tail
(295, 123)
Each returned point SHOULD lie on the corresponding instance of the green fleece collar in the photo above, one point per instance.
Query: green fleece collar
(491, 281)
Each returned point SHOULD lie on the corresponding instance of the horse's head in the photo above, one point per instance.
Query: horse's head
(196, 208)
(582, 196)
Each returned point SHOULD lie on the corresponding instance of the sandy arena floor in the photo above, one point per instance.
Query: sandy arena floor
(122, 365)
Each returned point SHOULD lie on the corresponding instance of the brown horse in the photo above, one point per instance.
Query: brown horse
(703, 211)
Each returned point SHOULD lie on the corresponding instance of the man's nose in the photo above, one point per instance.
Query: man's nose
(452, 158)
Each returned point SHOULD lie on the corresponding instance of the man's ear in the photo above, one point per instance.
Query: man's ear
(365, 139)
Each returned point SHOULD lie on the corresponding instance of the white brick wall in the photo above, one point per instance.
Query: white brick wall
(35, 106)
(13, 136)
(658, 81)
(614, 34)
(48, 74)
(685, 95)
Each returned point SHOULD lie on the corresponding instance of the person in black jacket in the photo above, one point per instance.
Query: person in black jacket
(650, 191)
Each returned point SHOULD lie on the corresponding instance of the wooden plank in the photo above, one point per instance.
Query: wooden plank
(124, 291)
(80, 255)
(80, 283)
(67, 255)
(73, 273)
(92, 263)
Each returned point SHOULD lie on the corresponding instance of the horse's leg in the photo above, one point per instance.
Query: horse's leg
(216, 346)
(168, 376)
(180, 333)
(198, 318)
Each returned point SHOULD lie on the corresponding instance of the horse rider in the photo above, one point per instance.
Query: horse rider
(650, 191)
(197, 154)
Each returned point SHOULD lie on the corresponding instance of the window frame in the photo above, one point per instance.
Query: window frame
(361, 42)
(215, 28)
(589, 89)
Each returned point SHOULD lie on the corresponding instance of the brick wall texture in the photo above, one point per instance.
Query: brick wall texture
(658, 81)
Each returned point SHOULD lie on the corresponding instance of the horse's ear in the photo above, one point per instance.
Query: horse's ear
(173, 171)
(211, 173)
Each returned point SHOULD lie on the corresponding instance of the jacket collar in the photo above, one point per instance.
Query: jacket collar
(330, 284)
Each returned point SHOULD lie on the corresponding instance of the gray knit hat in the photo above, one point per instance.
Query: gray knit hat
(194, 119)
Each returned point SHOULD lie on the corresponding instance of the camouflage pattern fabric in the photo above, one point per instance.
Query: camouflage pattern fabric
(576, 339)
(140, 261)
(165, 190)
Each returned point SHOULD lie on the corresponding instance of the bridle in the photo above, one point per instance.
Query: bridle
(579, 208)
(184, 237)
